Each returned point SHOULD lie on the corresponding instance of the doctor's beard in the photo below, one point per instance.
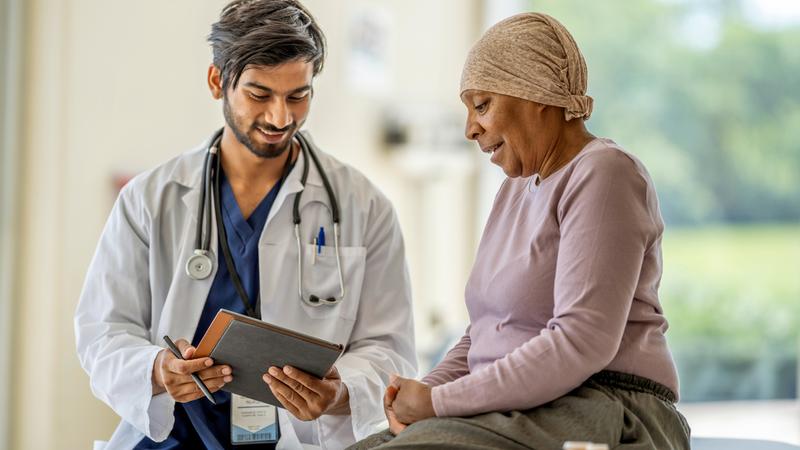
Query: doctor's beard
(262, 151)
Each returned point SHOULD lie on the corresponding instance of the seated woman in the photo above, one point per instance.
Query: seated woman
(566, 336)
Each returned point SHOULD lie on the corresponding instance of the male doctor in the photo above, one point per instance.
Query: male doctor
(354, 287)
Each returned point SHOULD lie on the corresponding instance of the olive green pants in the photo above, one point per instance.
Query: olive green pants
(621, 410)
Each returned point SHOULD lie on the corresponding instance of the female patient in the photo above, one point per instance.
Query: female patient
(566, 335)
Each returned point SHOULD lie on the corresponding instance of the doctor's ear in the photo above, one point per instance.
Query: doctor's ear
(215, 81)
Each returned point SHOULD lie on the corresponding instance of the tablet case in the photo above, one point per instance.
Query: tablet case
(250, 347)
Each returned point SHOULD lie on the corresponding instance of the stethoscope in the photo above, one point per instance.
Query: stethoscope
(201, 263)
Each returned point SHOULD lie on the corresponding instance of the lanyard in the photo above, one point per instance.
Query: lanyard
(223, 235)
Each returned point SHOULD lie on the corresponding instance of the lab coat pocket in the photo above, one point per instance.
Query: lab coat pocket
(321, 278)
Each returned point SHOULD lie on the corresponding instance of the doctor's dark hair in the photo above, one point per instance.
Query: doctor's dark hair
(264, 33)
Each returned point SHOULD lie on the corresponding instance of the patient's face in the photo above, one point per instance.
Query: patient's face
(517, 133)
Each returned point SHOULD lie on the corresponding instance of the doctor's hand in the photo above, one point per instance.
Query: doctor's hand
(173, 375)
(412, 402)
(307, 397)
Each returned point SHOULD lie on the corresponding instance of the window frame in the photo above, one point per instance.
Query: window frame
(11, 67)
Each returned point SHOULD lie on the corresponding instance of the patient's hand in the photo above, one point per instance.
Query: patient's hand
(395, 426)
(412, 401)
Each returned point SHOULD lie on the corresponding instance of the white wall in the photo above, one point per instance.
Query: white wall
(118, 87)
(427, 44)
(110, 86)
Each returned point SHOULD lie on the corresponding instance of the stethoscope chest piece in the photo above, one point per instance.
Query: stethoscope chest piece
(199, 265)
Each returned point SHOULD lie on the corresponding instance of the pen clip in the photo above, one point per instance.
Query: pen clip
(314, 252)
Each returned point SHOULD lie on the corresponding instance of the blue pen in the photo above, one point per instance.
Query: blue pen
(320, 240)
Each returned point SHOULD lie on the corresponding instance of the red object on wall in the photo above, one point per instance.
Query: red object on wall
(119, 180)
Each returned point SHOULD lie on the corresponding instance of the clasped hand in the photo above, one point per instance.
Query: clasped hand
(406, 401)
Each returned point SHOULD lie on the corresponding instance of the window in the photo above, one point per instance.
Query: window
(705, 92)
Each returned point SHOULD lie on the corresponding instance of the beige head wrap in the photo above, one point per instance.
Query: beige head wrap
(533, 57)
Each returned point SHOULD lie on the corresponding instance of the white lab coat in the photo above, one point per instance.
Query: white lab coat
(137, 291)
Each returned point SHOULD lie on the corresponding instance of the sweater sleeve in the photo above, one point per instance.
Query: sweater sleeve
(453, 366)
(605, 227)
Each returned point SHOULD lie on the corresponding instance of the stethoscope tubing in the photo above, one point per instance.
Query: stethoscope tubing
(199, 265)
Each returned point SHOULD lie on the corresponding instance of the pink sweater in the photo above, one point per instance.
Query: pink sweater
(565, 284)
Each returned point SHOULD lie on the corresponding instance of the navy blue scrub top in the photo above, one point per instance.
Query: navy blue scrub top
(199, 424)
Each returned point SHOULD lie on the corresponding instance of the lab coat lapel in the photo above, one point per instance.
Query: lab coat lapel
(190, 176)
(187, 297)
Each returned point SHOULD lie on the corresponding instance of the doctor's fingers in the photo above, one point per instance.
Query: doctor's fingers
(187, 392)
(185, 348)
(180, 384)
(307, 408)
(287, 396)
(290, 406)
(313, 384)
(220, 372)
(185, 367)
(293, 383)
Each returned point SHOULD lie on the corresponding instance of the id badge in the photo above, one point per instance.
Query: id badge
(253, 422)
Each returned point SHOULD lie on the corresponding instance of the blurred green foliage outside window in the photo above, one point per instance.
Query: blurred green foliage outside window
(709, 99)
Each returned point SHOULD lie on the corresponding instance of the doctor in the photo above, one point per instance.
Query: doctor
(238, 223)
